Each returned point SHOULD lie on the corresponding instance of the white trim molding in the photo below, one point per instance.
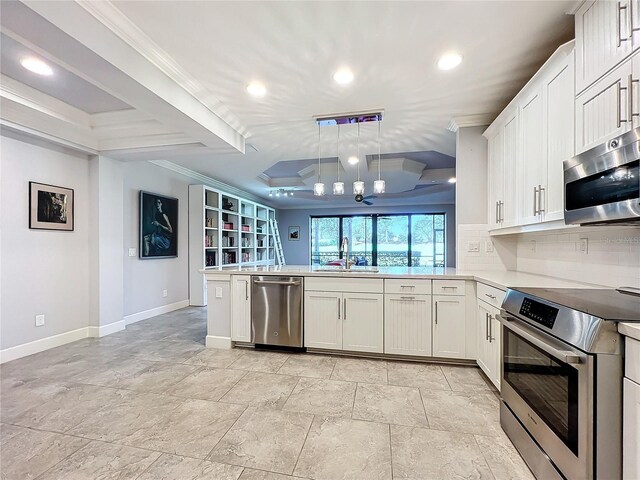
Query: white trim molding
(105, 330)
(42, 344)
(152, 312)
(477, 120)
(218, 342)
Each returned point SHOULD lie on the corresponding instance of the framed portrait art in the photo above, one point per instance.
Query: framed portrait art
(158, 226)
(294, 234)
(50, 207)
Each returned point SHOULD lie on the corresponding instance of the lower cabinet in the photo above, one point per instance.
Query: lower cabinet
(241, 308)
(407, 324)
(489, 335)
(449, 326)
(344, 321)
(631, 431)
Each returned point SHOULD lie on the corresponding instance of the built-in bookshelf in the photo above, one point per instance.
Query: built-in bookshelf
(225, 231)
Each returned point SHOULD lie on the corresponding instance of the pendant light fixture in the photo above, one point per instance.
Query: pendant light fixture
(318, 187)
(379, 185)
(358, 186)
(338, 186)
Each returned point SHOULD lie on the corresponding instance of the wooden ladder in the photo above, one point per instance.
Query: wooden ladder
(278, 243)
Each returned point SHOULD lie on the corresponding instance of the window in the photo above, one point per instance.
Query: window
(409, 240)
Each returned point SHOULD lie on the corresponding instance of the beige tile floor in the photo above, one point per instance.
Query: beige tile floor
(151, 403)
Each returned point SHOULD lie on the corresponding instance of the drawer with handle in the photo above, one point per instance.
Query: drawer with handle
(448, 287)
(491, 295)
(407, 287)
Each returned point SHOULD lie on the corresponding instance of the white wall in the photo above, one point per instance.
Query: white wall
(43, 272)
(297, 252)
(471, 175)
(144, 280)
(612, 259)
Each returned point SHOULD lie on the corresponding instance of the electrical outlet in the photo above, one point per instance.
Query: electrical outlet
(218, 292)
(488, 246)
(132, 252)
(39, 320)
(473, 246)
(164, 293)
(583, 245)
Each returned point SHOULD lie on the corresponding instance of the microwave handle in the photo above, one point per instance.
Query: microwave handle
(565, 356)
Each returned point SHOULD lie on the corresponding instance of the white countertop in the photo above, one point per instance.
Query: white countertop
(499, 279)
(631, 330)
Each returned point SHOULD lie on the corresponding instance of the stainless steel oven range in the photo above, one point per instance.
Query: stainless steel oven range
(562, 370)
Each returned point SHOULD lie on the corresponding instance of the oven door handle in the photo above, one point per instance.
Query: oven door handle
(566, 356)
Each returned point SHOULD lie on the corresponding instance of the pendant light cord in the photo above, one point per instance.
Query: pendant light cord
(318, 153)
(379, 150)
(338, 154)
(358, 151)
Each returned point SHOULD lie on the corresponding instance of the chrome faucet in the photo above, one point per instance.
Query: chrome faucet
(344, 248)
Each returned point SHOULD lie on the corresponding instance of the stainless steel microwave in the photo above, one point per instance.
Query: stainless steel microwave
(602, 185)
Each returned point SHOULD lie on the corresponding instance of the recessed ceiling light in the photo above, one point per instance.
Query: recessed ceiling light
(452, 180)
(257, 89)
(36, 65)
(344, 76)
(353, 160)
(449, 61)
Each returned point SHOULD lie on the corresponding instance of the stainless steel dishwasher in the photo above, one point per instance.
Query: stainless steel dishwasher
(276, 310)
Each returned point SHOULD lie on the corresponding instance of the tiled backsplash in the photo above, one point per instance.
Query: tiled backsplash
(612, 255)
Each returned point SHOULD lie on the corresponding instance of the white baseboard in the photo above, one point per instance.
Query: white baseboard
(106, 329)
(43, 344)
(218, 342)
(137, 317)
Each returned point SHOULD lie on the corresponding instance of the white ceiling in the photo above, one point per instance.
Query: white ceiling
(294, 48)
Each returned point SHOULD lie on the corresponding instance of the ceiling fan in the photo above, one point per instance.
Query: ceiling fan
(366, 200)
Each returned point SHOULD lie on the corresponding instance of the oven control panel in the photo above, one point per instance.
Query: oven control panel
(539, 312)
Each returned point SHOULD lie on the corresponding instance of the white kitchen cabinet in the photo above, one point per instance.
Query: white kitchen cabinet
(241, 308)
(631, 431)
(509, 208)
(344, 321)
(363, 322)
(558, 93)
(607, 32)
(407, 324)
(496, 177)
(603, 110)
(489, 335)
(323, 320)
(449, 326)
(532, 160)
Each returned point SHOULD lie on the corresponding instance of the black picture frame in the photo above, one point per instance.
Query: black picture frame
(294, 233)
(51, 207)
(158, 226)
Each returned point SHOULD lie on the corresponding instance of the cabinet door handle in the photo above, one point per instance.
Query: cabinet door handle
(619, 89)
(339, 309)
(497, 212)
(486, 326)
(436, 312)
(491, 339)
(345, 308)
(246, 290)
(622, 7)
(408, 286)
(630, 82)
(540, 190)
(492, 297)
(407, 298)
(535, 200)
(501, 211)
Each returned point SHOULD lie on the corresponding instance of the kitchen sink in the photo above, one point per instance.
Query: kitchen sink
(344, 270)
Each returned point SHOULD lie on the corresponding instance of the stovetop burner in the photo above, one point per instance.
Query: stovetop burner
(606, 304)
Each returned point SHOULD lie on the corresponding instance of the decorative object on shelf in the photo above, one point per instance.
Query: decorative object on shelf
(246, 228)
(338, 186)
(358, 185)
(158, 226)
(227, 205)
(227, 226)
(379, 185)
(294, 234)
(50, 207)
(318, 187)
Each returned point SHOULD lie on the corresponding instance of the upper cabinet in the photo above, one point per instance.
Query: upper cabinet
(528, 143)
(607, 32)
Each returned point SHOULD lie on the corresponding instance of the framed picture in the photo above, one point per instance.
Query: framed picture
(158, 226)
(294, 234)
(50, 207)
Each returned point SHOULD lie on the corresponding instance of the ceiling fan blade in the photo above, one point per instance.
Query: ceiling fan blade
(367, 202)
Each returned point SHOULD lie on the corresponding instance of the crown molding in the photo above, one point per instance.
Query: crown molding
(225, 188)
(116, 21)
(477, 120)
